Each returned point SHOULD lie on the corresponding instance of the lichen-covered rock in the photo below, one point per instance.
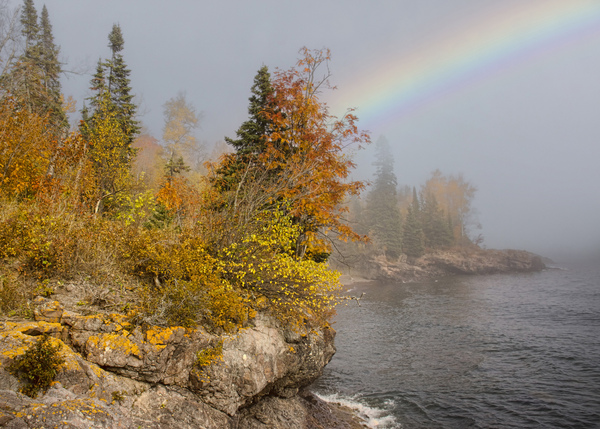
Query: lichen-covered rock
(116, 375)
(153, 354)
(48, 311)
(163, 407)
(58, 408)
(259, 361)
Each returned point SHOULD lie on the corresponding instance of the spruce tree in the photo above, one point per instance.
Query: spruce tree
(112, 79)
(34, 79)
(119, 85)
(382, 204)
(98, 84)
(24, 81)
(29, 25)
(109, 122)
(252, 133)
(52, 69)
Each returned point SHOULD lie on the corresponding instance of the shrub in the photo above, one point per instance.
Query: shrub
(185, 284)
(206, 357)
(264, 264)
(38, 366)
(11, 295)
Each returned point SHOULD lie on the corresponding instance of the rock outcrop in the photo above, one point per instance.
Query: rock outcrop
(117, 375)
(442, 263)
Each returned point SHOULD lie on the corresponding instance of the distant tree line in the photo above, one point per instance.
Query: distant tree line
(403, 220)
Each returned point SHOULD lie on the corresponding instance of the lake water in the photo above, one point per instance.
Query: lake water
(500, 351)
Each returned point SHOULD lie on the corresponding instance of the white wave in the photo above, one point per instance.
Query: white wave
(374, 418)
(556, 267)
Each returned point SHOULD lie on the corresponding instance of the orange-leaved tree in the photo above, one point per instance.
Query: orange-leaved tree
(454, 195)
(299, 162)
(26, 149)
(307, 150)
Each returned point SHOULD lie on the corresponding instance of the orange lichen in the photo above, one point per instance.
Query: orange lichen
(160, 336)
(115, 342)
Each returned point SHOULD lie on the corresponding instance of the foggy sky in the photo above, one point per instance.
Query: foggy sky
(527, 137)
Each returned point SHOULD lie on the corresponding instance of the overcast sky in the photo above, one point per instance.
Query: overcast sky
(505, 92)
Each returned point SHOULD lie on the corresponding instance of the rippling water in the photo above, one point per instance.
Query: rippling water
(502, 351)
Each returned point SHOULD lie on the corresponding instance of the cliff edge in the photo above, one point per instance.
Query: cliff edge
(117, 375)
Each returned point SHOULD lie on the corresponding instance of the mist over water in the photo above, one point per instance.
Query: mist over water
(503, 351)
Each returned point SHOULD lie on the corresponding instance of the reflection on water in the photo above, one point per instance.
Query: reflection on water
(495, 351)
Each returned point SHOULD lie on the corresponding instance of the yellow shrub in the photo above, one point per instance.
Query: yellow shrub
(264, 264)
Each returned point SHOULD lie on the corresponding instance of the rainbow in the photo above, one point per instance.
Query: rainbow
(497, 41)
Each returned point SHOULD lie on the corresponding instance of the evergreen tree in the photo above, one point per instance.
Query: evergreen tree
(119, 85)
(253, 132)
(109, 123)
(112, 79)
(412, 231)
(52, 69)
(251, 135)
(34, 79)
(98, 86)
(382, 207)
(29, 23)
(25, 79)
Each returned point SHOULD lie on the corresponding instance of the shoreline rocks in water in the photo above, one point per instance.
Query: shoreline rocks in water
(121, 376)
(441, 263)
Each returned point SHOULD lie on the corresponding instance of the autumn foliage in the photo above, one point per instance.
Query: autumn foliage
(181, 249)
(301, 161)
(26, 149)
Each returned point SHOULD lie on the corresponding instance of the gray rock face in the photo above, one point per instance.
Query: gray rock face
(120, 376)
(261, 361)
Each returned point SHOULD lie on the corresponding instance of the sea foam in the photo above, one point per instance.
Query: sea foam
(374, 418)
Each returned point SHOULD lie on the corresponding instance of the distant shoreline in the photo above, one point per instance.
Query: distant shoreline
(443, 263)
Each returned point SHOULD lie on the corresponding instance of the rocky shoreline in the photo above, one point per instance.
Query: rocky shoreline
(118, 375)
(441, 263)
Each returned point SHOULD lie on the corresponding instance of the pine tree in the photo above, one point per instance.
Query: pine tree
(412, 232)
(382, 207)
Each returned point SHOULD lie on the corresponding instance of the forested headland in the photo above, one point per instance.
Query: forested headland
(420, 232)
(180, 291)
(147, 226)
